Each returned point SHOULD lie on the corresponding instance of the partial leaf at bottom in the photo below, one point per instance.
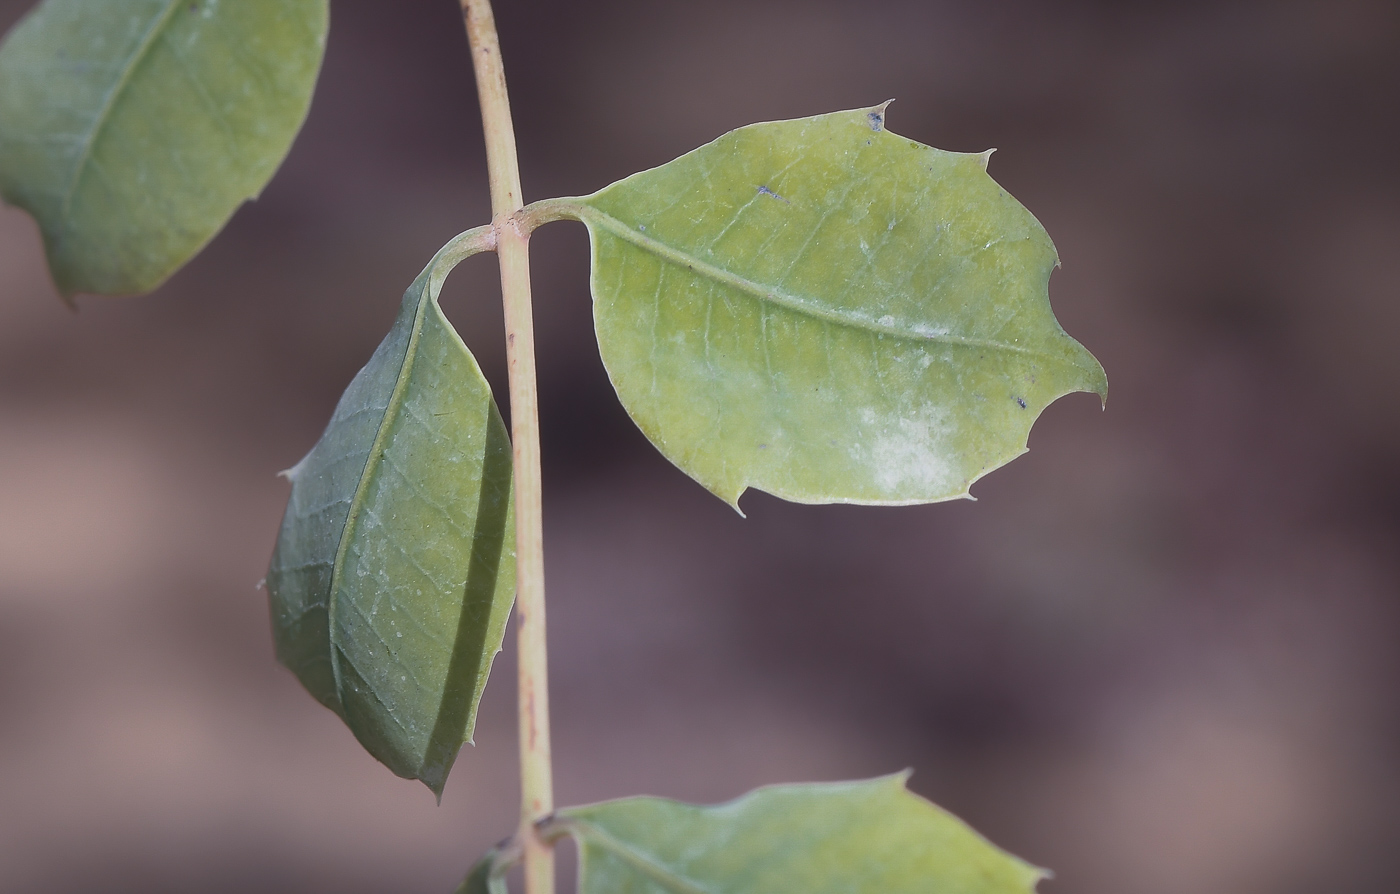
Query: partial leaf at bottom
(394, 571)
(488, 875)
(870, 837)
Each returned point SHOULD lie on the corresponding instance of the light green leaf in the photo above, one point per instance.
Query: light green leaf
(394, 571)
(871, 837)
(133, 129)
(828, 312)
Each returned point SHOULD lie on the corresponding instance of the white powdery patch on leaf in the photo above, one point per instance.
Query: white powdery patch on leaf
(909, 452)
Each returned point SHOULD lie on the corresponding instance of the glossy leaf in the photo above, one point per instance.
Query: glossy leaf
(872, 837)
(132, 129)
(394, 571)
(829, 312)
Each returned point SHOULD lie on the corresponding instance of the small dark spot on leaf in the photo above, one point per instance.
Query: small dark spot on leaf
(765, 191)
(877, 120)
(867, 142)
(762, 446)
(1021, 401)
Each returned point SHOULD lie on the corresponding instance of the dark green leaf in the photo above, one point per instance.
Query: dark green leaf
(132, 129)
(487, 876)
(829, 312)
(872, 837)
(394, 572)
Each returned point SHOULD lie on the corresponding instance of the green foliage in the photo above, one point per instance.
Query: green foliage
(394, 572)
(817, 308)
(488, 875)
(829, 312)
(132, 130)
(872, 837)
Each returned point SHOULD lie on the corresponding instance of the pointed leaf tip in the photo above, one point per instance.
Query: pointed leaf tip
(394, 570)
(883, 334)
(876, 115)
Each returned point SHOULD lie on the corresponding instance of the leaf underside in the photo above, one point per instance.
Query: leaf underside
(394, 571)
(829, 312)
(133, 130)
(869, 837)
(484, 878)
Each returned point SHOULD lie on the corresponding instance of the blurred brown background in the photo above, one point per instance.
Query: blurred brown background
(1158, 655)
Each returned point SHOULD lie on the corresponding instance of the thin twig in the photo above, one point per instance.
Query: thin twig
(537, 787)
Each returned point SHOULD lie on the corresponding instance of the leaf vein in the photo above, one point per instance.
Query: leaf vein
(639, 860)
(109, 101)
(804, 306)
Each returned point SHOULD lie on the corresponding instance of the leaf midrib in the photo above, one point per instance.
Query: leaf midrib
(642, 862)
(593, 216)
(460, 247)
(110, 100)
(357, 501)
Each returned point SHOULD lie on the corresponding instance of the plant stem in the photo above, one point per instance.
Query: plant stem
(536, 782)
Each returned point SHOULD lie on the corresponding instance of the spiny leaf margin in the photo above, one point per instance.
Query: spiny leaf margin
(394, 573)
(765, 329)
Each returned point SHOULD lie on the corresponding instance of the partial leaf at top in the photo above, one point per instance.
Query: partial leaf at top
(132, 129)
(394, 571)
(872, 837)
(829, 312)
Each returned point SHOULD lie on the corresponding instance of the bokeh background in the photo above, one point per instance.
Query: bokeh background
(1159, 655)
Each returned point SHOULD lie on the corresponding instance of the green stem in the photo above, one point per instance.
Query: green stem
(512, 248)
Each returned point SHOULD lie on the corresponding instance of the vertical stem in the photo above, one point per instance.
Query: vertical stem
(536, 783)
